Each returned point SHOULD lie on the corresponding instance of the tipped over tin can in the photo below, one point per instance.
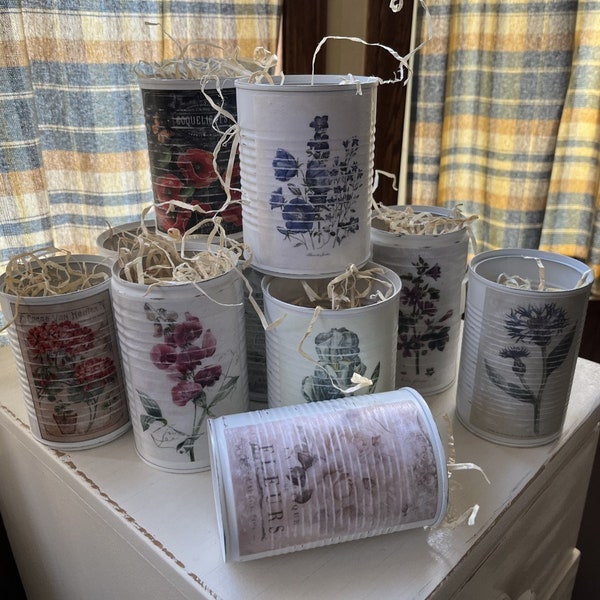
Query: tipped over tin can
(309, 475)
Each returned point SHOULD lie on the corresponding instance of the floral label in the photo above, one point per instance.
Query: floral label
(183, 130)
(338, 352)
(318, 193)
(73, 369)
(311, 478)
(196, 376)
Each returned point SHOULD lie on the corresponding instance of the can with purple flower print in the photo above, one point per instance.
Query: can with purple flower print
(184, 360)
(432, 265)
(306, 160)
(524, 319)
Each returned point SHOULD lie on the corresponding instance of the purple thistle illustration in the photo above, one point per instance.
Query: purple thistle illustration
(536, 327)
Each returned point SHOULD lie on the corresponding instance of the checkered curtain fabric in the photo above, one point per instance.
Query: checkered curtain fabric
(73, 153)
(506, 122)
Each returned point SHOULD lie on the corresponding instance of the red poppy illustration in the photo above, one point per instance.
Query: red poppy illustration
(197, 166)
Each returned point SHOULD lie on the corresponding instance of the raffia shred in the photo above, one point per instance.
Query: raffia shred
(203, 69)
(524, 283)
(36, 274)
(351, 289)
(153, 258)
(407, 221)
(468, 516)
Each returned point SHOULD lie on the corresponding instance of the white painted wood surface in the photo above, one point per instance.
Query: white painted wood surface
(99, 523)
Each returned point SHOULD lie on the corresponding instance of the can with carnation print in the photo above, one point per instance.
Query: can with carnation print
(65, 348)
(184, 360)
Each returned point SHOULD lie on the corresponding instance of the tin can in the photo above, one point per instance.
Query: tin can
(309, 475)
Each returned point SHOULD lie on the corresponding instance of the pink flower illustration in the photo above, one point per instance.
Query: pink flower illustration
(182, 355)
(64, 373)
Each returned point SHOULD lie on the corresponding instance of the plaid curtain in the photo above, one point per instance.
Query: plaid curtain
(506, 122)
(73, 152)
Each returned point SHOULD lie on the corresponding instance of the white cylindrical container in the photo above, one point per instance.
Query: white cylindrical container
(520, 346)
(340, 343)
(67, 357)
(306, 156)
(432, 269)
(304, 476)
(184, 359)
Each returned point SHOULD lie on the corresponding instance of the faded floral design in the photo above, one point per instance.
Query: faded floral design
(186, 354)
(318, 199)
(70, 371)
(537, 331)
(419, 331)
(183, 170)
(338, 354)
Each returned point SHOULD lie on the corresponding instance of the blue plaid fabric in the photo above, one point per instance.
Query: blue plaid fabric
(73, 150)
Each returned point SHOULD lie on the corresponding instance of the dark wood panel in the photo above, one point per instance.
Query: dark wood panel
(392, 30)
(304, 26)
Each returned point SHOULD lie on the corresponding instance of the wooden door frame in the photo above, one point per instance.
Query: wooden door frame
(304, 25)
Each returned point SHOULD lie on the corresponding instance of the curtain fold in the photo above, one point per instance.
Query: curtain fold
(73, 151)
(506, 122)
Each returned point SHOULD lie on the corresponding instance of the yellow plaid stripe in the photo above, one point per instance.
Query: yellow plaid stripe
(506, 122)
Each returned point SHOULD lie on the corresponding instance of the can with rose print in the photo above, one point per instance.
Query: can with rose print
(67, 358)
(183, 130)
(184, 359)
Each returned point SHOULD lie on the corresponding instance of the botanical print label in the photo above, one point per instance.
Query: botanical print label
(72, 365)
(190, 370)
(183, 130)
(318, 193)
(338, 359)
(524, 365)
(312, 478)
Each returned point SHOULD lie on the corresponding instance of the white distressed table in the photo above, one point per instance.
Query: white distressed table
(101, 524)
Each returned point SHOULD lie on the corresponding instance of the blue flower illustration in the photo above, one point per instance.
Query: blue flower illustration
(276, 200)
(285, 165)
(338, 352)
(318, 202)
(298, 215)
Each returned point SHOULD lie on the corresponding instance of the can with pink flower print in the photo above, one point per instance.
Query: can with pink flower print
(183, 130)
(184, 360)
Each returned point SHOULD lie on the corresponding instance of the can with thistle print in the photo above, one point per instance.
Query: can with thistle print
(524, 319)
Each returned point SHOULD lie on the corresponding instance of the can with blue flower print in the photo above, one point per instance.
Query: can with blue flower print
(524, 319)
(306, 160)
